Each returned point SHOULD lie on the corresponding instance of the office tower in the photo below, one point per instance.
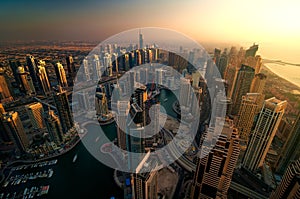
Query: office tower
(144, 179)
(14, 128)
(218, 157)
(107, 64)
(251, 51)
(258, 64)
(289, 186)
(196, 78)
(263, 133)
(197, 100)
(5, 94)
(131, 82)
(222, 64)
(101, 104)
(115, 63)
(61, 75)
(140, 96)
(217, 55)
(245, 118)
(32, 70)
(141, 40)
(152, 128)
(241, 86)
(43, 78)
(221, 105)
(121, 118)
(14, 67)
(71, 67)
(86, 70)
(209, 72)
(4, 137)
(185, 92)
(135, 144)
(35, 112)
(97, 69)
(291, 148)
(258, 83)
(27, 86)
(83, 100)
(63, 109)
(159, 75)
(54, 127)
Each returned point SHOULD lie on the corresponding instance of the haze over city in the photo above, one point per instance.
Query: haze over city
(272, 24)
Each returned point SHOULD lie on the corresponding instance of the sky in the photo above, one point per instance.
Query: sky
(272, 24)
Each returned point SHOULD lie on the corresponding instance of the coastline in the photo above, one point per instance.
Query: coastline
(267, 66)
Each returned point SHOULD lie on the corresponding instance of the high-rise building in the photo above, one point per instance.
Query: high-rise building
(14, 128)
(135, 144)
(121, 118)
(291, 149)
(258, 83)
(289, 186)
(196, 78)
(245, 118)
(35, 112)
(5, 94)
(14, 67)
(141, 40)
(30, 60)
(53, 126)
(263, 133)
(43, 78)
(217, 161)
(61, 75)
(71, 67)
(185, 92)
(144, 179)
(241, 86)
(251, 51)
(27, 86)
(63, 109)
(159, 75)
(86, 69)
(101, 104)
(4, 137)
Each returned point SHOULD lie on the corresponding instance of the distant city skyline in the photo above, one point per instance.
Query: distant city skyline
(268, 23)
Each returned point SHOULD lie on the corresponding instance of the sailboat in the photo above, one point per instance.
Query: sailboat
(75, 158)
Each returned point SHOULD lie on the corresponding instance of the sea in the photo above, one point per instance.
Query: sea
(289, 72)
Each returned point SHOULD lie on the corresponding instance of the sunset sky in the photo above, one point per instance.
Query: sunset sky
(274, 25)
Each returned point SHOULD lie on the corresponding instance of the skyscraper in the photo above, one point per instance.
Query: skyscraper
(32, 70)
(185, 92)
(63, 109)
(14, 128)
(86, 70)
(122, 115)
(141, 40)
(289, 186)
(291, 149)
(245, 118)
(258, 83)
(53, 126)
(251, 51)
(145, 179)
(101, 104)
(61, 75)
(263, 133)
(241, 86)
(5, 94)
(71, 68)
(27, 86)
(35, 112)
(43, 78)
(159, 75)
(215, 167)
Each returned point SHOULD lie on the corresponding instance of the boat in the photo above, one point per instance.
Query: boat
(75, 158)
(165, 99)
(50, 173)
(97, 139)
